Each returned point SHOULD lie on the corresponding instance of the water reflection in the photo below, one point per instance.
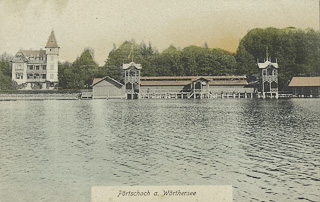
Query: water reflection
(57, 150)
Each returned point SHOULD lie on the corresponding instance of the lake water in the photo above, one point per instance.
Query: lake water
(268, 150)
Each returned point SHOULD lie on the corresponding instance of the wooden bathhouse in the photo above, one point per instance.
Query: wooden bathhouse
(133, 86)
(194, 87)
(305, 86)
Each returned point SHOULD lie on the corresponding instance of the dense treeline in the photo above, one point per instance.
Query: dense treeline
(297, 52)
(191, 60)
(80, 73)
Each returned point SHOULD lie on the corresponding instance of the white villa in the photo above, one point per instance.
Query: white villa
(37, 69)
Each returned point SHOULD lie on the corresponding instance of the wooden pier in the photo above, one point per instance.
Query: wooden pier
(167, 94)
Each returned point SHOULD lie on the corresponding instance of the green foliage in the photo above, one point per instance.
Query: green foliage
(297, 52)
(116, 58)
(5, 73)
(192, 60)
(80, 73)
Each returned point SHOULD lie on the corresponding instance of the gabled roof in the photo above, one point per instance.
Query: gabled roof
(190, 78)
(52, 42)
(33, 53)
(164, 83)
(305, 81)
(131, 64)
(200, 78)
(98, 80)
(186, 80)
(266, 64)
(19, 57)
(228, 83)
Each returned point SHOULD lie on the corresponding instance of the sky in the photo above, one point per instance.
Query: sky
(98, 24)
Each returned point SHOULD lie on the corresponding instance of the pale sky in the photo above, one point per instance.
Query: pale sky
(97, 24)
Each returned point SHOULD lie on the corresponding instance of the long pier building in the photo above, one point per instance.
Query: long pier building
(133, 86)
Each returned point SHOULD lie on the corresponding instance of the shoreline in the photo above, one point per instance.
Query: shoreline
(78, 96)
(39, 96)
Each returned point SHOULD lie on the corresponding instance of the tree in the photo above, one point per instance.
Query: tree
(80, 73)
(86, 67)
(6, 82)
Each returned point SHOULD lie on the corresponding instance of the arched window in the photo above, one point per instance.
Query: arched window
(270, 70)
(128, 86)
(198, 85)
(274, 84)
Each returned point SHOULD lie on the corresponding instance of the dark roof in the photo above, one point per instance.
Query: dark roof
(305, 81)
(52, 42)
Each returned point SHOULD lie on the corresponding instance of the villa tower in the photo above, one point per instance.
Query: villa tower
(52, 53)
(37, 69)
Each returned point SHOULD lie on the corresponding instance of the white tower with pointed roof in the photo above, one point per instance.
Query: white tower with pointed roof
(37, 69)
(52, 52)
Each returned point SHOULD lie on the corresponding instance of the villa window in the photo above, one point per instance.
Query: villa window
(30, 67)
(44, 67)
(264, 72)
(37, 67)
(44, 76)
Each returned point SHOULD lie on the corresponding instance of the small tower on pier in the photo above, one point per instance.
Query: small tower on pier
(130, 76)
(268, 81)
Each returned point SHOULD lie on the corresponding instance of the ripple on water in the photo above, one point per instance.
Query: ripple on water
(268, 150)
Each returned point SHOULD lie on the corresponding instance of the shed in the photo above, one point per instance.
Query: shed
(305, 86)
(107, 88)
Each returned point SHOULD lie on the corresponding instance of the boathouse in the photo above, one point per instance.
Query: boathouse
(133, 86)
(195, 87)
(105, 88)
(305, 86)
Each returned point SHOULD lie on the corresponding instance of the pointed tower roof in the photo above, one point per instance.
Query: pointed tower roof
(52, 42)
